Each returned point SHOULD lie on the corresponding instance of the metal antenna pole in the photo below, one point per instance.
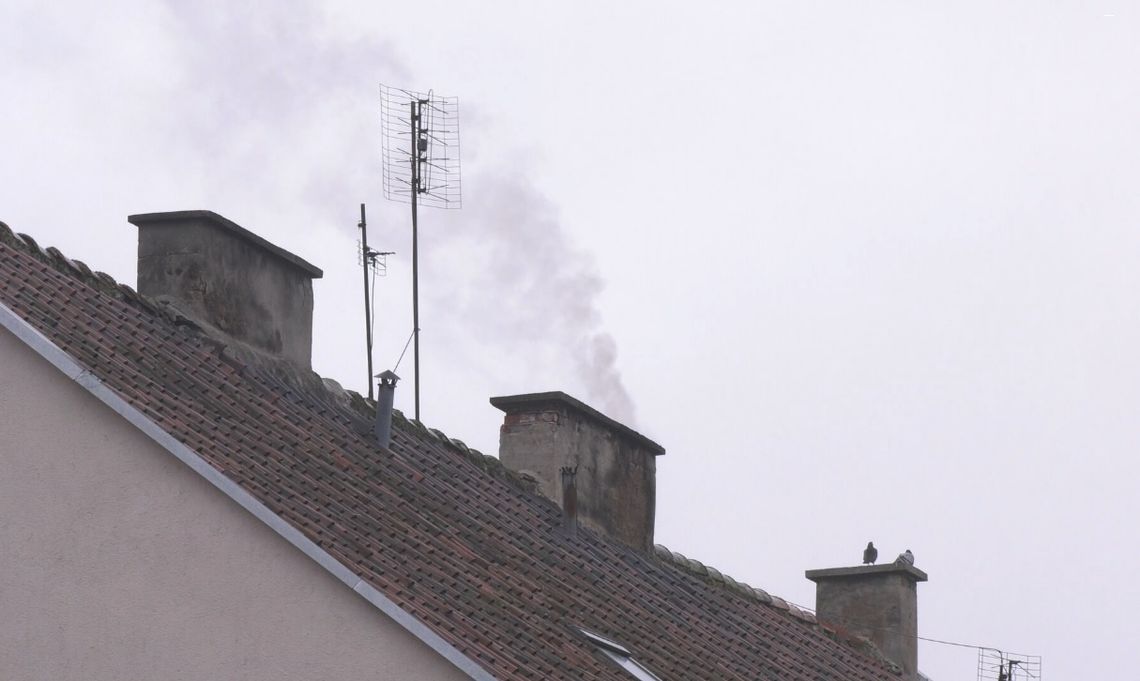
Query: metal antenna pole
(423, 168)
(367, 306)
(416, 109)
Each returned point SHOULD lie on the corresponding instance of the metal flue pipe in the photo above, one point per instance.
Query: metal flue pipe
(385, 397)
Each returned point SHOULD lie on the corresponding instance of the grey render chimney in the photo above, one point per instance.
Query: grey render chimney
(229, 278)
(878, 602)
(385, 395)
(616, 479)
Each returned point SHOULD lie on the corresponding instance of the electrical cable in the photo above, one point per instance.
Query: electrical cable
(405, 350)
(921, 638)
(952, 643)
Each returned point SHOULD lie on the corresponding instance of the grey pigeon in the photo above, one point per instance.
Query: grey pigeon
(870, 554)
(905, 558)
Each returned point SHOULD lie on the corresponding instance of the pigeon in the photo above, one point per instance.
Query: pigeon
(905, 558)
(870, 554)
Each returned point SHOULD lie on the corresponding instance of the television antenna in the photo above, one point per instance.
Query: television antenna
(375, 263)
(421, 166)
(997, 665)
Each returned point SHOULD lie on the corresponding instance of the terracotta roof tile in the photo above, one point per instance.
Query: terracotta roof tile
(441, 529)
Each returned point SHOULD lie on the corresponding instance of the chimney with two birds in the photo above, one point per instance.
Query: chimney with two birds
(877, 602)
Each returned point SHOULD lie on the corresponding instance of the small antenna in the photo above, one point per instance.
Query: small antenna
(421, 166)
(377, 262)
(997, 665)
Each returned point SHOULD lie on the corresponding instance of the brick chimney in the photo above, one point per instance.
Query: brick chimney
(616, 479)
(229, 278)
(877, 602)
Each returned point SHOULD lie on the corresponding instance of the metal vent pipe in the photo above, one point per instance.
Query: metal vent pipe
(385, 396)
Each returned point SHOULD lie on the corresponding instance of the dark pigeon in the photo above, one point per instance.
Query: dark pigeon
(870, 554)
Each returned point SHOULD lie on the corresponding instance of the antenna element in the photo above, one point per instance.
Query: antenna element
(421, 165)
(998, 665)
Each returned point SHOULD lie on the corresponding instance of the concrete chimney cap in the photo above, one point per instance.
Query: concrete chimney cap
(866, 570)
(556, 398)
(210, 217)
(387, 375)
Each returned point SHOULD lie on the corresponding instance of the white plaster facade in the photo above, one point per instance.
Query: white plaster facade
(118, 562)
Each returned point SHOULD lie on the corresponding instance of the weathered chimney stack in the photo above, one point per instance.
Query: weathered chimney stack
(385, 396)
(877, 602)
(229, 278)
(615, 482)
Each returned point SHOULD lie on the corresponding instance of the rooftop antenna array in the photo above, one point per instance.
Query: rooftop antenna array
(997, 665)
(375, 264)
(421, 167)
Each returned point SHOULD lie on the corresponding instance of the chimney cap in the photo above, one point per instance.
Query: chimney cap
(557, 398)
(387, 375)
(210, 217)
(865, 570)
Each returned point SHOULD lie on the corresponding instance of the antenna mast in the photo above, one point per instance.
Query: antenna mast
(421, 165)
(377, 262)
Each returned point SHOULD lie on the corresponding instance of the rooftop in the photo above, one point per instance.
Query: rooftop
(437, 529)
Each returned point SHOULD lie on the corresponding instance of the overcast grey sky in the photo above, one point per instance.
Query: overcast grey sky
(867, 271)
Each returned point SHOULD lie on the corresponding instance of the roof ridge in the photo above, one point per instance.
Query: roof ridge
(715, 576)
(77, 269)
(805, 615)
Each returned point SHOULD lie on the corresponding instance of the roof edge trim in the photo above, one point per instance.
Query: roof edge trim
(74, 371)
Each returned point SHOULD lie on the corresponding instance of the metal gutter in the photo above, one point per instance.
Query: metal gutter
(45, 348)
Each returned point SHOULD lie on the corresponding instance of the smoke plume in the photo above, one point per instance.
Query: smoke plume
(534, 291)
(317, 103)
(272, 119)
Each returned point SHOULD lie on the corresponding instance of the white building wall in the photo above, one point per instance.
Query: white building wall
(118, 562)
